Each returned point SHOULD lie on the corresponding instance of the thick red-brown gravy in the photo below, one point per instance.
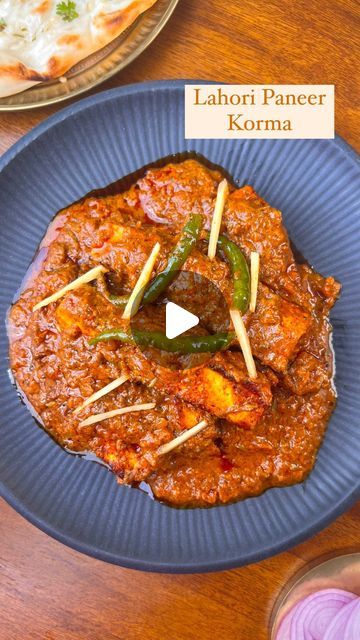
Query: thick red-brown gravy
(270, 436)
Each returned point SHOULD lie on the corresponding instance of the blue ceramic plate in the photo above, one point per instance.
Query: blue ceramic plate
(316, 185)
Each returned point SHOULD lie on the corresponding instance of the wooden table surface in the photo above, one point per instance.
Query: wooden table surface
(50, 592)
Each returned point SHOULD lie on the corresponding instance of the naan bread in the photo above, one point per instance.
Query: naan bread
(37, 44)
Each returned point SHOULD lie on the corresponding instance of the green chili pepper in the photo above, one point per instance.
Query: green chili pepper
(177, 258)
(240, 273)
(181, 344)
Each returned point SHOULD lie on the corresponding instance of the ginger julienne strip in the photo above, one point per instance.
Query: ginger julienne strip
(222, 194)
(99, 417)
(75, 284)
(102, 392)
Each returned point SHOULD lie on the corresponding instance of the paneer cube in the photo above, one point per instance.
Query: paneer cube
(223, 389)
(275, 329)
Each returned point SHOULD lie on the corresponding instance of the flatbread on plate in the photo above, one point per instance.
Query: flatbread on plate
(40, 41)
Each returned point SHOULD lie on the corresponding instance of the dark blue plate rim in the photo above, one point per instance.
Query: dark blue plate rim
(94, 551)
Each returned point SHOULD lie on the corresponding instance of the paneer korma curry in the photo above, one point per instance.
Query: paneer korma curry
(234, 406)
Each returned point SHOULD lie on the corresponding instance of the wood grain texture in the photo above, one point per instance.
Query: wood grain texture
(50, 592)
(55, 593)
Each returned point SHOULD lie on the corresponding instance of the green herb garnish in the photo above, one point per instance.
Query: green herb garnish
(67, 10)
(2, 24)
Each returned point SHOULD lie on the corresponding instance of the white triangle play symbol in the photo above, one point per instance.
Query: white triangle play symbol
(178, 320)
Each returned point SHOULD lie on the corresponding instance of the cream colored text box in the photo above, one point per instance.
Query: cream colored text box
(259, 111)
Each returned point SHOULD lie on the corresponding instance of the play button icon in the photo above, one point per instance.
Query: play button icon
(178, 320)
(192, 305)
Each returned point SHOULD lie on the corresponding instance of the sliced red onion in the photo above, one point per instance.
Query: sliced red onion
(310, 618)
(315, 613)
(283, 632)
(352, 629)
(336, 628)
